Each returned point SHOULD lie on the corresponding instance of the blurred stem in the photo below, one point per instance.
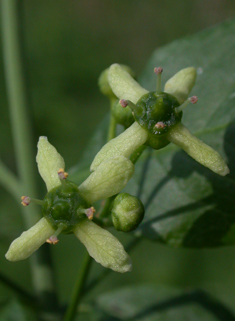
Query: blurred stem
(23, 134)
(10, 181)
(23, 295)
(112, 128)
(78, 288)
(112, 122)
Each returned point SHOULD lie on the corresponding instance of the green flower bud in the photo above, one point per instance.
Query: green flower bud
(127, 212)
(122, 116)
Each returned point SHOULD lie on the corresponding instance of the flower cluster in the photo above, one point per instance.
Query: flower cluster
(154, 120)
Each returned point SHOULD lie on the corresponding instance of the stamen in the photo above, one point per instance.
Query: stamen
(136, 109)
(62, 174)
(160, 124)
(26, 200)
(192, 100)
(123, 103)
(88, 211)
(158, 71)
(53, 239)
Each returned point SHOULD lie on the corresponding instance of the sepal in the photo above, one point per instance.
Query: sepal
(123, 145)
(181, 84)
(198, 150)
(103, 246)
(123, 85)
(49, 163)
(28, 242)
(110, 177)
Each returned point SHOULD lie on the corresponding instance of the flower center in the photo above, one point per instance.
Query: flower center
(64, 205)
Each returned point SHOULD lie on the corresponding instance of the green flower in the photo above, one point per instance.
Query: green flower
(157, 118)
(67, 209)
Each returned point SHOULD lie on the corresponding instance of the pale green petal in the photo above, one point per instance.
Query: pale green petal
(198, 150)
(124, 144)
(103, 246)
(29, 241)
(109, 179)
(49, 162)
(181, 84)
(123, 85)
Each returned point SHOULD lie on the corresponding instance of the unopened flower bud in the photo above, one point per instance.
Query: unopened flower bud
(127, 212)
(122, 116)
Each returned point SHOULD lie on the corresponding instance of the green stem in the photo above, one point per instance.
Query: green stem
(24, 295)
(112, 122)
(136, 155)
(10, 181)
(78, 288)
(23, 135)
(112, 128)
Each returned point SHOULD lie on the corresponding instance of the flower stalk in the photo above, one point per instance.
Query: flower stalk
(22, 135)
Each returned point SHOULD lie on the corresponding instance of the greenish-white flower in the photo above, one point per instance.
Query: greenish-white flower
(67, 208)
(158, 118)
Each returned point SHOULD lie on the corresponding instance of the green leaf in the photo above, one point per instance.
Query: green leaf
(148, 303)
(186, 204)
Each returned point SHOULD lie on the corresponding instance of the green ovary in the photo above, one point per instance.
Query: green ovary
(156, 109)
(62, 205)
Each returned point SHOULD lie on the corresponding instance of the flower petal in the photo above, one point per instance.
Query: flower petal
(29, 241)
(109, 179)
(123, 85)
(103, 246)
(181, 84)
(49, 162)
(198, 150)
(123, 145)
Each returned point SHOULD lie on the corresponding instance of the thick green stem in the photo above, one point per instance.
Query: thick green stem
(23, 135)
(78, 288)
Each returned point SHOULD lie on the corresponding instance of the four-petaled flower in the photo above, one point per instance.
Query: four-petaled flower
(176, 92)
(67, 208)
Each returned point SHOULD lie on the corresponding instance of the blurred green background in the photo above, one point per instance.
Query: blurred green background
(67, 45)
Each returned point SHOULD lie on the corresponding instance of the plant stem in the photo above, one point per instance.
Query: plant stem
(18, 290)
(78, 288)
(10, 181)
(112, 128)
(136, 155)
(23, 136)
